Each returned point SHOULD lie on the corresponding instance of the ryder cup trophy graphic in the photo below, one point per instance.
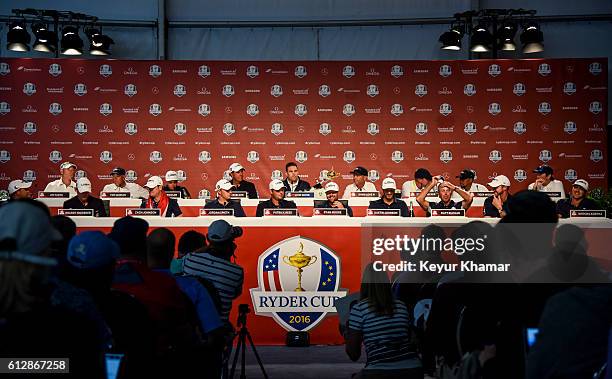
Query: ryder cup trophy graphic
(299, 260)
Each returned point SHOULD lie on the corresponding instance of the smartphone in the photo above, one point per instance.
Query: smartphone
(531, 334)
(113, 363)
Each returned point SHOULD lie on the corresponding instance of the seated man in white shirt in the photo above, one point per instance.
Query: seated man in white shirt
(422, 177)
(360, 183)
(545, 182)
(466, 183)
(120, 185)
(66, 182)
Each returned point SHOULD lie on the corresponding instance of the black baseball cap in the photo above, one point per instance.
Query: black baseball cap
(422, 173)
(466, 174)
(118, 171)
(543, 170)
(360, 171)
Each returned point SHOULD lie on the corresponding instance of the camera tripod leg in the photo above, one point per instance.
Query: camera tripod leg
(238, 346)
(257, 355)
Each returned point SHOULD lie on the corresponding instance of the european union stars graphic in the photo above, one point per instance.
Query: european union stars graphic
(328, 272)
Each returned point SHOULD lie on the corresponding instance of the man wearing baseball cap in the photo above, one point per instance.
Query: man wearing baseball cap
(496, 205)
(422, 177)
(18, 189)
(172, 185)
(331, 192)
(66, 182)
(445, 192)
(120, 185)
(466, 182)
(277, 199)
(360, 183)
(159, 200)
(545, 182)
(236, 171)
(223, 201)
(388, 199)
(577, 200)
(84, 200)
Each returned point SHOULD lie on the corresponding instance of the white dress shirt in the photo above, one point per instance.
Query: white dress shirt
(135, 190)
(59, 186)
(474, 188)
(367, 187)
(554, 186)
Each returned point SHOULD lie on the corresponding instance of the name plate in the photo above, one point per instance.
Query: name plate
(384, 212)
(174, 194)
(429, 194)
(280, 212)
(53, 195)
(143, 212)
(240, 195)
(553, 194)
(216, 212)
(308, 195)
(600, 213)
(448, 212)
(75, 212)
(329, 212)
(365, 194)
(482, 194)
(116, 195)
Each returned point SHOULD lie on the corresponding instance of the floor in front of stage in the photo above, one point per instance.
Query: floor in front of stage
(329, 362)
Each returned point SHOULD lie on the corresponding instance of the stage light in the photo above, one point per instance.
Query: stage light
(532, 38)
(72, 44)
(506, 36)
(99, 43)
(451, 40)
(46, 40)
(18, 38)
(482, 40)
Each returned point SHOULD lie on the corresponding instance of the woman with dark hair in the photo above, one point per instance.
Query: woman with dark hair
(382, 324)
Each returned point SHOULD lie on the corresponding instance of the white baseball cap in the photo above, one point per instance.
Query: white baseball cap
(223, 184)
(276, 185)
(331, 187)
(171, 176)
(83, 185)
(581, 183)
(18, 184)
(67, 165)
(153, 182)
(236, 167)
(500, 180)
(389, 183)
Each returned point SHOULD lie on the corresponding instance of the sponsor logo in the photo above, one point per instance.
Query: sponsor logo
(106, 156)
(130, 129)
(105, 70)
(5, 156)
(301, 156)
(570, 127)
(520, 175)
(569, 88)
(397, 109)
(545, 156)
(445, 91)
(29, 89)
(155, 71)
(80, 128)
(300, 72)
(204, 71)
(494, 70)
(397, 156)
(54, 108)
(106, 109)
(252, 156)
(445, 71)
(571, 175)
(445, 109)
(494, 109)
(372, 90)
(324, 90)
(397, 71)
(596, 155)
(373, 129)
(544, 69)
(520, 127)
(179, 90)
(5, 68)
(595, 107)
(420, 90)
(276, 90)
(252, 72)
(469, 128)
(495, 156)
(544, 108)
(519, 89)
(595, 68)
(155, 110)
(469, 89)
(300, 110)
(325, 129)
(155, 156)
(348, 71)
(348, 110)
(446, 156)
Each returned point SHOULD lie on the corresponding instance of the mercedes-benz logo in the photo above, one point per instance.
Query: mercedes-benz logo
(396, 90)
(324, 71)
(131, 156)
(55, 128)
(228, 110)
(155, 90)
(204, 176)
(373, 156)
(81, 70)
(301, 129)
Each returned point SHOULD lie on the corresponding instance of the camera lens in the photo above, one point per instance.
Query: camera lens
(236, 232)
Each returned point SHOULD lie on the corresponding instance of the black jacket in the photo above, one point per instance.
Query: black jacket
(268, 204)
(301, 185)
(92, 203)
(249, 188)
(232, 204)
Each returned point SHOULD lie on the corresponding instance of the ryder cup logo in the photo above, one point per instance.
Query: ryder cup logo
(29, 128)
(397, 109)
(106, 70)
(519, 89)
(300, 110)
(130, 129)
(397, 71)
(570, 127)
(252, 156)
(469, 89)
(420, 90)
(299, 281)
(155, 156)
(80, 128)
(323, 176)
(520, 175)
(106, 156)
(55, 69)
(276, 90)
(349, 156)
(571, 175)
(5, 69)
(204, 194)
(544, 69)
(29, 89)
(180, 129)
(155, 71)
(204, 156)
(204, 71)
(181, 175)
(397, 156)
(445, 109)
(324, 90)
(445, 71)
(203, 110)
(131, 176)
(5, 156)
(446, 156)
(252, 72)
(596, 155)
(29, 176)
(494, 70)
(495, 156)
(348, 110)
(544, 108)
(179, 90)
(80, 89)
(80, 174)
(55, 108)
(277, 129)
(545, 156)
(494, 109)
(348, 71)
(106, 109)
(373, 129)
(595, 107)
(325, 129)
(5, 108)
(155, 109)
(372, 90)
(229, 129)
(595, 68)
(520, 127)
(569, 88)
(301, 156)
(252, 110)
(469, 128)
(421, 128)
(276, 175)
(373, 175)
(300, 72)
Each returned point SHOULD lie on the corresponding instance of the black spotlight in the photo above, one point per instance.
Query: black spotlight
(532, 38)
(72, 44)
(506, 36)
(451, 40)
(99, 43)
(482, 40)
(46, 40)
(18, 38)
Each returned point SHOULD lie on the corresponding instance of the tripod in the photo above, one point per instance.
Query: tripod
(243, 334)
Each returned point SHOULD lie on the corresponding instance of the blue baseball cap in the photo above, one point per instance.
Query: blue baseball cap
(221, 231)
(90, 250)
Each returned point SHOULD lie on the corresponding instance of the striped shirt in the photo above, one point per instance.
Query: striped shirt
(226, 276)
(386, 337)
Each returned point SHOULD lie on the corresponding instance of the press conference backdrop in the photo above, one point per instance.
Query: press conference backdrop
(197, 117)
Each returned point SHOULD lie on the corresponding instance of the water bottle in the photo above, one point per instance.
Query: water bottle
(411, 210)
